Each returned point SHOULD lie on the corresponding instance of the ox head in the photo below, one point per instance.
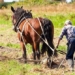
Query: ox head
(18, 14)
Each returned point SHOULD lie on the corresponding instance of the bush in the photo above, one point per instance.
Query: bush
(3, 5)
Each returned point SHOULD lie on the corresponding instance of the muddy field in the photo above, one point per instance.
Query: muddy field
(15, 54)
(7, 53)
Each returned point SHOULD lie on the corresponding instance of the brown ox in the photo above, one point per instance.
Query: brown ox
(30, 29)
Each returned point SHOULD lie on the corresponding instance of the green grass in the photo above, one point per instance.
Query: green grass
(62, 48)
(59, 19)
(32, 3)
(9, 68)
(12, 45)
(4, 21)
(12, 67)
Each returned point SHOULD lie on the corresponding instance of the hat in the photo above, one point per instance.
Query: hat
(68, 22)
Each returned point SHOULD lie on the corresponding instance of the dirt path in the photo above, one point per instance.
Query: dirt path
(9, 54)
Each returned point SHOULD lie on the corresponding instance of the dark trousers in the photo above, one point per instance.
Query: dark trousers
(70, 48)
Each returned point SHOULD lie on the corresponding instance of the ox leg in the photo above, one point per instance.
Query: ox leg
(36, 51)
(34, 54)
(24, 51)
(50, 54)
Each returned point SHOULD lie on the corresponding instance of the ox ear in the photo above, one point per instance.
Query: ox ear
(27, 11)
(13, 10)
(21, 6)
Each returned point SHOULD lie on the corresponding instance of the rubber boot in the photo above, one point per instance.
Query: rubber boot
(71, 64)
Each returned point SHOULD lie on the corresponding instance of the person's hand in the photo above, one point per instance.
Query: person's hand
(56, 46)
(58, 43)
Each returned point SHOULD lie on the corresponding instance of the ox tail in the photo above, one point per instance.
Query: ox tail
(48, 29)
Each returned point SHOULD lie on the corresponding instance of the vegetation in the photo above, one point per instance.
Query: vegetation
(56, 13)
(53, 11)
(58, 17)
(38, 2)
(5, 5)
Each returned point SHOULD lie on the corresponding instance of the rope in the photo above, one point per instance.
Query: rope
(45, 41)
(40, 36)
(22, 32)
(18, 22)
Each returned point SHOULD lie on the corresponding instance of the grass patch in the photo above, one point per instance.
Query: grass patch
(11, 45)
(12, 67)
(59, 19)
(9, 67)
(5, 19)
(32, 3)
(62, 48)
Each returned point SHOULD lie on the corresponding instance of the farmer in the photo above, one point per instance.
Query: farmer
(68, 32)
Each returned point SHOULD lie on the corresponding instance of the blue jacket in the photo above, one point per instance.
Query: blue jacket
(67, 32)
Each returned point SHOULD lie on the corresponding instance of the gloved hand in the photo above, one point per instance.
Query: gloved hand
(56, 46)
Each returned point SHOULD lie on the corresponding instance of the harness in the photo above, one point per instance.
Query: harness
(16, 25)
(21, 32)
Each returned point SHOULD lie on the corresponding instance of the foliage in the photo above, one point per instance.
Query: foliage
(36, 2)
(5, 4)
(58, 19)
